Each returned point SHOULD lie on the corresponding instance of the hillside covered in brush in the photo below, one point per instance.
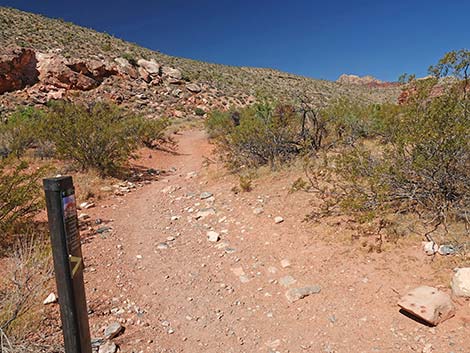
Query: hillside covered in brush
(43, 59)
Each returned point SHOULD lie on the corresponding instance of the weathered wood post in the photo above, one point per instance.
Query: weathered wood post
(68, 263)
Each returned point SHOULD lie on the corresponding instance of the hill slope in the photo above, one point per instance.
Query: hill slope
(220, 85)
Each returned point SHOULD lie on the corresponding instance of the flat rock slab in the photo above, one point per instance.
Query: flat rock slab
(113, 330)
(428, 304)
(461, 283)
(295, 294)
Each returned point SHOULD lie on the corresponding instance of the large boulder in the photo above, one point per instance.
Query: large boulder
(53, 71)
(17, 69)
(150, 66)
(172, 72)
(126, 68)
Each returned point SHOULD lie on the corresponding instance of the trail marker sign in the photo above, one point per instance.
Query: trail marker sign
(68, 263)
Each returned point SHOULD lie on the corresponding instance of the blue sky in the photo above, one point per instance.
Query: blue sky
(320, 39)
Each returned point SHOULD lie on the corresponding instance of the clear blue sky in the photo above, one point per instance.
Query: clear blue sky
(320, 39)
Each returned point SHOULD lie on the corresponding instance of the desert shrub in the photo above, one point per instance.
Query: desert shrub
(149, 132)
(100, 136)
(28, 269)
(130, 57)
(20, 196)
(422, 164)
(264, 134)
(199, 112)
(20, 131)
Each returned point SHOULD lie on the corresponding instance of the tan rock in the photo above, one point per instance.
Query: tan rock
(172, 72)
(150, 66)
(461, 283)
(295, 294)
(428, 304)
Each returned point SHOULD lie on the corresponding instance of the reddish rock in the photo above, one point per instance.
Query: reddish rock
(53, 71)
(428, 304)
(17, 69)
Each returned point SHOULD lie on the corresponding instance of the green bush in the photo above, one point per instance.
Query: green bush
(20, 132)
(422, 163)
(100, 136)
(199, 112)
(265, 134)
(20, 195)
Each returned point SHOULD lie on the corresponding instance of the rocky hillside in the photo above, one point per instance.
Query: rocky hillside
(43, 59)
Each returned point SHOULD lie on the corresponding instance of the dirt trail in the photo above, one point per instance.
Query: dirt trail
(175, 291)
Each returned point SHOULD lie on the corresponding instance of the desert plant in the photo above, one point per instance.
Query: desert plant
(100, 136)
(423, 164)
(19, 195)
(20, 131)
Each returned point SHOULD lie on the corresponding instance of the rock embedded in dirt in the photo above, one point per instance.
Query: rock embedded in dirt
(51, 298)
(428, 304)
(287, 281)
(295, 294)
(205, 212)
(278, 219)
(258, 211)
(285, 263)
(213, 236)
(113, 330)
(108, 347)
(461, 282)
(205, 195)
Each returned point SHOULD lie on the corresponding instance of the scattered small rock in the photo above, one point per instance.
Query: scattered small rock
(162, 246)
(285, 263)
(205, 212)
(213, 236)
(258, 210)
(461, 282)
(86, 205)
(446, 250)
(430, 247)
(278, 219)
(113, 330)
(205, 195)
(428, 304)
(287, 281)
(108, 347)
(295, 294)
(51, 298)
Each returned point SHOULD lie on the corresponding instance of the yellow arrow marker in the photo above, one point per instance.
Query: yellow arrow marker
(77, 261)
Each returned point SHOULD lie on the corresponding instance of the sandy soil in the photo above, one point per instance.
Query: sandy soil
(229, 296)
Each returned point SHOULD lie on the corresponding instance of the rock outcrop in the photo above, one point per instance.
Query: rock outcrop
(17, 69)
(356, 80)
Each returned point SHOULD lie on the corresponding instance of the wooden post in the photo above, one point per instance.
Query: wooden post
(68, 263)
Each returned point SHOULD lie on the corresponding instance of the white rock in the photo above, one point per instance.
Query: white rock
(213, 236)
(51, 298)
(278, 219)
(430, 247)
(461, 283)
